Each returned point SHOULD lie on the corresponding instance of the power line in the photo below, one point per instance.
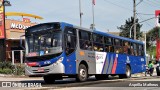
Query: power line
(153, 5)
(145, 14)
(145, 22)
(153, 2)
(107, 1)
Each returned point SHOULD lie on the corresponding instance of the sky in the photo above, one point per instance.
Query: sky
(108, 14)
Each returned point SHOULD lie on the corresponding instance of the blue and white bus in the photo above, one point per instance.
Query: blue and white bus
(58, 49)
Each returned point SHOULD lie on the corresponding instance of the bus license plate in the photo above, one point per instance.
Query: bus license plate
(40, 70)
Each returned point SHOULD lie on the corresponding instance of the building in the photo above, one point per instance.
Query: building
(15, 29)
(114, 33)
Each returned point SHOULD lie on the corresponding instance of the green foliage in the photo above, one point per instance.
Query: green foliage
(5, 65)
(125, 29)
(18, 69)
(8, 68)
(151, 36)
(5, 71)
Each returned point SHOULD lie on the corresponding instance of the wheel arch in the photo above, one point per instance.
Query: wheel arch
(85, 63)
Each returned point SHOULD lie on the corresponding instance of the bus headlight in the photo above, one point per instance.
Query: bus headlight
(58, 61)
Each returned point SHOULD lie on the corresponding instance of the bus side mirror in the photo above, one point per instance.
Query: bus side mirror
(21, 41)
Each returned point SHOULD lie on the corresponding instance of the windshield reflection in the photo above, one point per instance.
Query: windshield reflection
(50, 43)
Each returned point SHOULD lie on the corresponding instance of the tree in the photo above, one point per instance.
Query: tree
(125, 29)
(152, 35)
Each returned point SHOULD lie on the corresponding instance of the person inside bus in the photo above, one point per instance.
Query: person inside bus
(87, 45)
(126, 47)
(95, 48)
(107, 48)
(117, 50)
(100, 49)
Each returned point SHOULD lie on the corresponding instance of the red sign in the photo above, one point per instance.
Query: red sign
(2, 28)
(26, 20)
(157, 14)
(158, 49)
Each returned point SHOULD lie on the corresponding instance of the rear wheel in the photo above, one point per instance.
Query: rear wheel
(101, 77)
(82, 73)
(127, 74)
(158, 71)
(49, 79)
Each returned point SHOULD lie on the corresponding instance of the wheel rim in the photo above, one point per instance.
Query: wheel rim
(82, 73)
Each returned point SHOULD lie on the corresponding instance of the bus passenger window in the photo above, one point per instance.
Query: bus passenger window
(87, 45)
(131, 49)
(135, 49)
(85, 40)
(70, 40)
(126, 47)
(95, 48)
(109, 48)
(116, 50)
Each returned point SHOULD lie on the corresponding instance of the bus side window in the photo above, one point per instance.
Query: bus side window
(70, 40)
(135, 49)
(98, 42)
(127, 49)
(140, 50)
(131, 49)
(125, 46)
(85, 40)
(118, 46)
(108, 44)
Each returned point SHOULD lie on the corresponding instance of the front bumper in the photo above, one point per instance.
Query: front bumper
(40, 71)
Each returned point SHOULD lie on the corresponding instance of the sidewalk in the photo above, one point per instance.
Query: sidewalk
(143, 74)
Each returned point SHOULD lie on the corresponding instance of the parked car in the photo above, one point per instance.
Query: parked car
(158, 68)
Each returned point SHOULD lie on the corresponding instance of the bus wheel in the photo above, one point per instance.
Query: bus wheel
(49, 79)
(127, 74)
(101, 77)
(82, 73)
(158, 73)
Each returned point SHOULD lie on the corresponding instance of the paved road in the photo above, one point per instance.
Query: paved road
(71, 84)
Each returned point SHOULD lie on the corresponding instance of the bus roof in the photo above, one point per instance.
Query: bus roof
(63, 24)
(107, 34)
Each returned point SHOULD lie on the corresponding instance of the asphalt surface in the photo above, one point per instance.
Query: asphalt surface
(92, 82)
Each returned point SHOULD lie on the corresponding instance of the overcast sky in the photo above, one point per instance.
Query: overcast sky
(109, 14)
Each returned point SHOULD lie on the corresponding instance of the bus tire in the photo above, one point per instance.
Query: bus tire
(101, 77)
(82, 73)
(49, 79)
(127, 73)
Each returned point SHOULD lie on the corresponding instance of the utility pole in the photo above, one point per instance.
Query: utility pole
(80, 13)
(93, 24)
(134, 16)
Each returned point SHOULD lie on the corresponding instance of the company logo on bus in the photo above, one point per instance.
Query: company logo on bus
(99, 57)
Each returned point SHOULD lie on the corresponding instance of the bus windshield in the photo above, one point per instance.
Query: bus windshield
(44, 44)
